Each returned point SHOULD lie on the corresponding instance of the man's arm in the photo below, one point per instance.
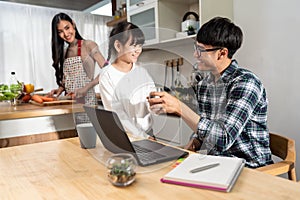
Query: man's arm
(170, 104)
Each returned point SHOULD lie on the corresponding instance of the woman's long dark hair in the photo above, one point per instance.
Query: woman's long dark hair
(57, 45)
(122, 32)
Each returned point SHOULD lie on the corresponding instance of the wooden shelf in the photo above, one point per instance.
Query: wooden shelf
(116, 21)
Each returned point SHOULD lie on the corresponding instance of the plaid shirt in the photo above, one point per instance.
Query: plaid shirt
(233, 114)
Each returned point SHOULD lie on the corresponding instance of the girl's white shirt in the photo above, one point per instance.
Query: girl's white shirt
(126, 94)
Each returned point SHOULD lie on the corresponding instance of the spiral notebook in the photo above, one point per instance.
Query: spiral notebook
(221, 177)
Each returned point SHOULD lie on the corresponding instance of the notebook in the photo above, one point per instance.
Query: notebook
(114, 138)
(221, 176)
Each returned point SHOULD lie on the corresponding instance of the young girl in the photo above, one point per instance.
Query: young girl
(124, 86)
(75, 66)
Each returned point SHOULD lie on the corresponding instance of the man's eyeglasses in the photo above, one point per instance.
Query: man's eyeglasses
(200, 49)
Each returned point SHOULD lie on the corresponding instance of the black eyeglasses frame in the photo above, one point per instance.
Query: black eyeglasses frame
(200, 50)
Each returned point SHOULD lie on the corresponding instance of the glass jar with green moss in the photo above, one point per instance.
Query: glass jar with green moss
(121, 169)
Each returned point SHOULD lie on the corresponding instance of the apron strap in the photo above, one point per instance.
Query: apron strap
(79, 48)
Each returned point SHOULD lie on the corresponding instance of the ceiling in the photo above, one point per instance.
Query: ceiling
(79, 5)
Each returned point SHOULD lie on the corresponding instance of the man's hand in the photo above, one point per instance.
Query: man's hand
(166, 103)
(193, 145)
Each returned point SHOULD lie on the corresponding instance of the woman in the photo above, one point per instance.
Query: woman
(74, 66)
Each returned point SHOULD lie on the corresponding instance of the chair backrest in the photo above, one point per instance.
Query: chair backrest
(283, 148)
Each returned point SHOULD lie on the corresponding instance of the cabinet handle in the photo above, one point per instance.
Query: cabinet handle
(140, 4)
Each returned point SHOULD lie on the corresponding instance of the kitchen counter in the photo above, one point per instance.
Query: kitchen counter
(27, 110)
(27, 123)
(37, 123)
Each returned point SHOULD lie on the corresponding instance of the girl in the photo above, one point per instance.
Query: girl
(75, 66)
(124, 86)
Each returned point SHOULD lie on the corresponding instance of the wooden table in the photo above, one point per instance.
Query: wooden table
(28, 110)
(60, 169)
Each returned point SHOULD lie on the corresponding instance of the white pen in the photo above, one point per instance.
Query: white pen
(205, 167)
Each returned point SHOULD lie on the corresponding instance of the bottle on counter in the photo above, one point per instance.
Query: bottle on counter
(15, 87)
(13, 78)
(13, 82)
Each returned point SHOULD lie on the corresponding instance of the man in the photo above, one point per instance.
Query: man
(232, 115)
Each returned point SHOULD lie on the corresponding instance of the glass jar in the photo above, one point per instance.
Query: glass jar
(121, 169)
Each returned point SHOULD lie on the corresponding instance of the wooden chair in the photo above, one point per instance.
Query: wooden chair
(283, 148)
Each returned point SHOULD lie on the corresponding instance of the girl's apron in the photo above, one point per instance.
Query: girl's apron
(75, 77)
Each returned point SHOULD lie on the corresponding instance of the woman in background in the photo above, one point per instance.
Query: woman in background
(74, 66)
(77, 61)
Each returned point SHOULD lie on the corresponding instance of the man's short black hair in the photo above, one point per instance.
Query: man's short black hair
(221, 32)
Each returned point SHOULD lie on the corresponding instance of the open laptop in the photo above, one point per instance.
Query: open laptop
(114, 138)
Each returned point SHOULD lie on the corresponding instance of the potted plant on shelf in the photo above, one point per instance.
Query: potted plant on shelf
(191, 30)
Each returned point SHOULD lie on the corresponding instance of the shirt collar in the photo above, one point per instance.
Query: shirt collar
(227, 73)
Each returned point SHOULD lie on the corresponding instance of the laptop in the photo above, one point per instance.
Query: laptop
(115, 139)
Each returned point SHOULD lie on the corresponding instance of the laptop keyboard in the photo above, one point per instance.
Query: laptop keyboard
(146, 154)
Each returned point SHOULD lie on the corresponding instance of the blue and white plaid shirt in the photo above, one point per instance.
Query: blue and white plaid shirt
(233, 116)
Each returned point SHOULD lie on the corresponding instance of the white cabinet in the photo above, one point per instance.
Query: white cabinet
(160, 20)
(144, 15)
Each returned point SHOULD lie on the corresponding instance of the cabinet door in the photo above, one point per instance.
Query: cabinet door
(146, 18)
(136, 4)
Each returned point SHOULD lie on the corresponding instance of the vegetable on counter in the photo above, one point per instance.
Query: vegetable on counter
(10, 92)
(28, 88)
(26, 98)
(40, 99)
(37, 98)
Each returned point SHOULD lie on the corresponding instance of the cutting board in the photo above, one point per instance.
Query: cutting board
(53, 103)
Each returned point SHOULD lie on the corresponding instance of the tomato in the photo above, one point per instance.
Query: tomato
(26, 98)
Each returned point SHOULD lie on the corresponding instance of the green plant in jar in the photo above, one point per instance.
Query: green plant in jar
(121, 169)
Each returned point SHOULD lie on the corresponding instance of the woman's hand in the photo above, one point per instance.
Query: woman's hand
(56, 91)
(81, 92)
(163, 102)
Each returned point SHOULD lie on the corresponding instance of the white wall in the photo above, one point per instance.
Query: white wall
(271, 46)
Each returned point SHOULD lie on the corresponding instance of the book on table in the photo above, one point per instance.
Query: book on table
(206, 171)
